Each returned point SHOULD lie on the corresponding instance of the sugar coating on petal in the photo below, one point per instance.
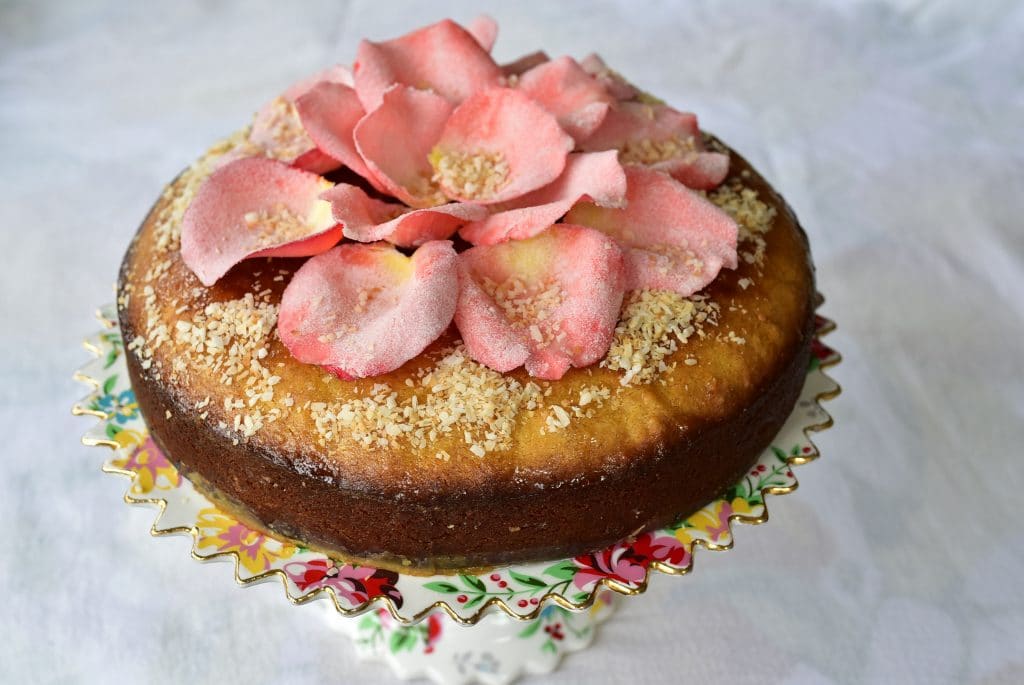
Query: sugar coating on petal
(255, 207)
(443, 57)
(675, 238)
(523, 303)
(367, 219)
(662, 138)
(365, 309)
(485, 30)
(395, 140)
(594, 176)
(497, 145)
(328, 112)
(577, 99)
(278, 131)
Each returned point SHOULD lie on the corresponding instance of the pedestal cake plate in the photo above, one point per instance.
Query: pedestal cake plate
(524, 617)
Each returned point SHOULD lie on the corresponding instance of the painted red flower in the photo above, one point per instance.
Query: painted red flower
(664, 548)
(357, 584)
(619, 563)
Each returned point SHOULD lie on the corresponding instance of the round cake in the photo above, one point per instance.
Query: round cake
(401, 438)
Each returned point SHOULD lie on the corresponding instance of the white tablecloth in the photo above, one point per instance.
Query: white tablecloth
(896, 131)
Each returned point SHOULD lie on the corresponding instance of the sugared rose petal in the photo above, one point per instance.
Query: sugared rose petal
(329, 113)
(575, 97)
(594, 176)
(620, 88)
(485, 30)
(549, 302)
(675, 239)
(498, 145)
(662, 138)
(364, 310)
(395, 141)
(278, 132)
(366, 219)
(255, 207)
(443, 57)
(704, 171)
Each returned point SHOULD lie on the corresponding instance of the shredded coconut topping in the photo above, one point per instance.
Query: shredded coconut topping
(647, 151)
(753, 216)
(457, 397)
(475, 176)
(278, 225)
(285, 131)
(653, 324)
(527, 307)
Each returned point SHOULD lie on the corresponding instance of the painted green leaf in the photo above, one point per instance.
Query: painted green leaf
(474, 601)
(112, 431)
(549, 646)
(401, 640)
(530, 629)
(525, 579)
(563, 570)
(779, 454)
(108, 385)
(441, 586)
(474, 583)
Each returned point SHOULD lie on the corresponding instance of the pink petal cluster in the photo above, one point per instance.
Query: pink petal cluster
(570, 185)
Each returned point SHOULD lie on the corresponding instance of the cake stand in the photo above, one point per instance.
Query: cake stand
(525, 617)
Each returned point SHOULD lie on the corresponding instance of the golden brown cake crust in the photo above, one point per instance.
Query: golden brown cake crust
(649, 453)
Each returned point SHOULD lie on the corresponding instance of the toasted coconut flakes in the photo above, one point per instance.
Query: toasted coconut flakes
(649, 151)
(477, 176)
(527, 307)
(455, 397)
(753, 216)
(286, 133)
(653, 324)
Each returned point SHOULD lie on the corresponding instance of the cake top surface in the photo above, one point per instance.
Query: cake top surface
(586, 281)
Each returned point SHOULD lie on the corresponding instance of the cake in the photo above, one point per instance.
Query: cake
(552, 315)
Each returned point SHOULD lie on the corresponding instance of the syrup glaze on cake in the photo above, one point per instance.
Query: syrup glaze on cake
(446, 464)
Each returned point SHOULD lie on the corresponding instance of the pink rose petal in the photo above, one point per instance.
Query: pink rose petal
(704, 171)
(620, 88)
(485, 30)
(395, 141)
(443, 57)
(278, 132)
(662, 138)
(547, 302)
(675, 239)
(498, 145)
(575, 97)
(329, 113)
(594, 176)
(366, 219)
(364, 310)
(255, 207)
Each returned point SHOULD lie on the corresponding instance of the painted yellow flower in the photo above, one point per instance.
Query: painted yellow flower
(128, 438)
(712, 522)
(256, 551)
(151, 468)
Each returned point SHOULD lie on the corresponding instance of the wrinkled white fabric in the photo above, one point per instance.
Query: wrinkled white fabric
(893, 128)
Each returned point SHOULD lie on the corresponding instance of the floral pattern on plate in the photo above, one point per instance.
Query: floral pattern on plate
(523, 591)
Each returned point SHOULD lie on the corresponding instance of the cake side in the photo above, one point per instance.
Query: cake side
(631, 456)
